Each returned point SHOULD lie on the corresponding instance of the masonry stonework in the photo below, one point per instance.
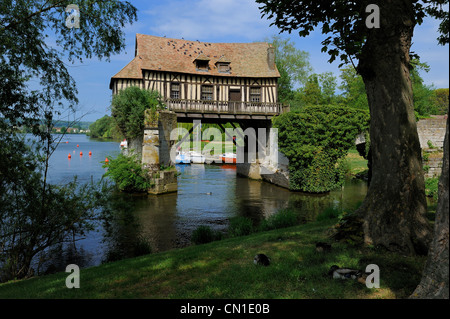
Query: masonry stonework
(156, 147)
(431, 135)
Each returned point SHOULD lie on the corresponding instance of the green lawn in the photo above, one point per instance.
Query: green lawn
(357, 163)
(225, 269)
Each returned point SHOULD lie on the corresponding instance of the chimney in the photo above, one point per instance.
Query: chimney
(271, 57)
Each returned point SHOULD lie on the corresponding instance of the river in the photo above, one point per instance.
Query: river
(207, 195)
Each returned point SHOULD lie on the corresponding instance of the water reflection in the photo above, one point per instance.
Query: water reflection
(207, 195)
(210, 195)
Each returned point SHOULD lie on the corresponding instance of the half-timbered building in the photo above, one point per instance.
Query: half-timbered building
(194, 76)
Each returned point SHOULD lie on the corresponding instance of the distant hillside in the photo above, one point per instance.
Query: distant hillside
(81, 125)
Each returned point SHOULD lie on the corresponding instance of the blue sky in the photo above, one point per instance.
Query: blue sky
(225, 21)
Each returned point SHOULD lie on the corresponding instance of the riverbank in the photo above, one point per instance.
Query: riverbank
(225, 269)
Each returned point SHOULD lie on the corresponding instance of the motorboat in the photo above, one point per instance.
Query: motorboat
(229, 158)
(197, 158)
(182, 158)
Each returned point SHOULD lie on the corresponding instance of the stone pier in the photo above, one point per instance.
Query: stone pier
(270, 165)
(156, 147)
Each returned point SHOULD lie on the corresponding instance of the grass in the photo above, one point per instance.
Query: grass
(225, 269)
(357, 163)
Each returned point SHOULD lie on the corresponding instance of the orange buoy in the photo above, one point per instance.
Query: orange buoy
(81, 153)
(90, 153)
(78, 145)
(67, 142)
(70, 156)
(106, 160)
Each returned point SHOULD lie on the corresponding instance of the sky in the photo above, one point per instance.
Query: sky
(225, 21)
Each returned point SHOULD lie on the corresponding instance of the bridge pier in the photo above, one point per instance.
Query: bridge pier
(268, 164)
(156, 148)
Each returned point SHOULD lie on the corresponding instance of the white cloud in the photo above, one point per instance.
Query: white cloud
(209, 20)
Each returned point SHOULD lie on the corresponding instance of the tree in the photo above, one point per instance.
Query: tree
(128, 106)
(435, 283)
(393, 212)
(441, 101)
(311, 94)
(26, 56)
(104, 127)
(34, 80)
(318, 89)
(328, 87)
(423, 95)
(353, 88)
(293, 61)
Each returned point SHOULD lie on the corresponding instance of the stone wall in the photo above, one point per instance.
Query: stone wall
(156, 148)
(433, 162)
(432, 129)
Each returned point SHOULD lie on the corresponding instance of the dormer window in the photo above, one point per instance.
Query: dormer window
(223, 64)
(202, 63)
(223, 67)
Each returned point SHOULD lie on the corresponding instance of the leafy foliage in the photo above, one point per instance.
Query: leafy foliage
(342, 21)
(204, 234)
(315, 140)
(281, 219)
(35, 86)
(128, 173)
(431, 187)
(26, 56)
(104, 127)
(354, 90)
(36, 216)
(240, 226)
(128, 108)
(441, 101)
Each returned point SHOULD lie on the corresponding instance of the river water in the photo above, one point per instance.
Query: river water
(207, 195)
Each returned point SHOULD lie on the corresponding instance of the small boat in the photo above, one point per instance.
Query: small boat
(197, 158)
(229, 158)
(182, 158)
(124, 144)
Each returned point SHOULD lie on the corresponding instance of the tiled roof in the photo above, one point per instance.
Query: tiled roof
(175, 55)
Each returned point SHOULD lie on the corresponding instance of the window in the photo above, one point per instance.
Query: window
(223, 67)
(255, 94)
(175, 90)
(207, 93)
(202, 65)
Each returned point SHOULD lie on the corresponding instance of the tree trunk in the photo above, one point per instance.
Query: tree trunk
(434, 283)
(394, 209)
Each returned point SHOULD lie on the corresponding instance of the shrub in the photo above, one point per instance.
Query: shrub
(281, 219)
(329, 213)
(204, 234)
(316, 140)
(431, 187)
(240, 226)
(128, 173)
